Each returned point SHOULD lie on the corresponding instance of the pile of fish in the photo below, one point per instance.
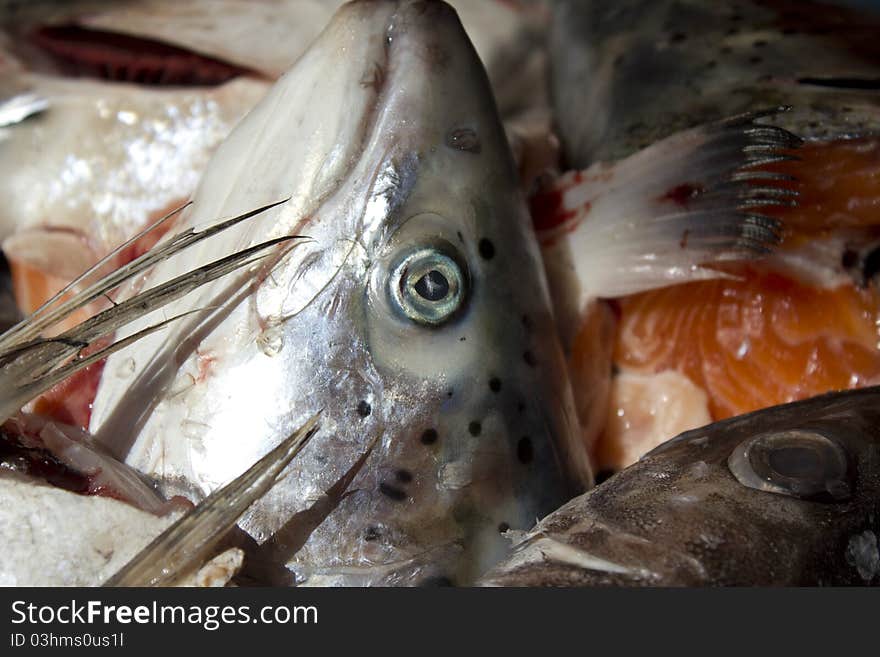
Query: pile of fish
(359, 309)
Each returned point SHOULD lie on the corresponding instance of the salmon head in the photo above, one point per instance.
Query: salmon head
(414, 314)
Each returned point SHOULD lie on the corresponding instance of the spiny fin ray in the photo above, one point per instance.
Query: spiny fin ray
(658, 216)
(189, 541)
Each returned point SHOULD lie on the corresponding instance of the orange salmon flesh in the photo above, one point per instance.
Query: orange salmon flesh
(763, 338)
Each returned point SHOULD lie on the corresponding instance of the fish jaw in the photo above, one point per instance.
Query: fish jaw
(473, 415)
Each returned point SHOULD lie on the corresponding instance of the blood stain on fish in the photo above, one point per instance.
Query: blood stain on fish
(125, 58)
(71, 400)
(682, 194)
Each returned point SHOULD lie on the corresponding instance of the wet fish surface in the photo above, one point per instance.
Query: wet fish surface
(645, 70)
(413, 311)
(786, 496)
(799, 322)
(416, 311)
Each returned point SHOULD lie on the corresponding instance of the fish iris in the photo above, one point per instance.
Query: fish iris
(429, 285)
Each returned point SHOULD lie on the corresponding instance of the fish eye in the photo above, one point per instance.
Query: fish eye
(798, 463)
(429, 284)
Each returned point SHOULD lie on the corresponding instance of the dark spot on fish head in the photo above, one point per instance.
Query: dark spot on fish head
(463, 139)
(678, 37)
(495, 384)
(475, 428)
(487, 249)
(525, 451)
(393, 492)
(755, 60)
(363, 408)
(403, 476)
(372, 534)
(429, 437)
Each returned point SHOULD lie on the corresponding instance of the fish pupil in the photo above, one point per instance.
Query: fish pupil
(433, 286)
(797, 463)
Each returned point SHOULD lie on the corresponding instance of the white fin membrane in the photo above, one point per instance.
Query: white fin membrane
(656, 217)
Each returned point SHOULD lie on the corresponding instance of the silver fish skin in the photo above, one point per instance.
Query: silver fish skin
(786, 496)
(642, 71)
(416, 312)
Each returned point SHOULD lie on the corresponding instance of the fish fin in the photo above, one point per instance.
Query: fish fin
(656, 217)
(87, 273)
(188, 542)
(30, 368)
(32, 436)
(51, 313)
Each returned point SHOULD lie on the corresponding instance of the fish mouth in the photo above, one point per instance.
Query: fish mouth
(77, 51)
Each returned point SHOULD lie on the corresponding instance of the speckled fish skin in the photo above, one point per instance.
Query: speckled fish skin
(386, 139)
(680, 517)
(627, 74)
